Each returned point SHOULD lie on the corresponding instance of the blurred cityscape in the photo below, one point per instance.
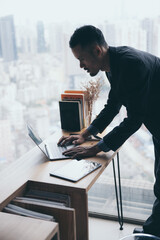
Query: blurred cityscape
(36, 66)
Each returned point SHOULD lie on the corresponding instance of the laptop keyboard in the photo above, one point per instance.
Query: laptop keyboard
(56, 151)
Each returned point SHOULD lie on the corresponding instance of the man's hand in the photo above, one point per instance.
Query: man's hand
(72, 139)
(81, 152)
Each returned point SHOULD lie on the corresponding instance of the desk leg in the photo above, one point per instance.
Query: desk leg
(80, 203)
(118, 197)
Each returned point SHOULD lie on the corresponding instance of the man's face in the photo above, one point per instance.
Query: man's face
(88, 58)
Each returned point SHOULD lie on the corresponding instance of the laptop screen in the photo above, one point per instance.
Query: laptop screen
(34, 135)
(38, 141)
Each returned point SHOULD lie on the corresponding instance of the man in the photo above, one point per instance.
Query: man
(134, 78)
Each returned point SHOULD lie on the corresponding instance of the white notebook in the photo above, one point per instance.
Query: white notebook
(75, 170)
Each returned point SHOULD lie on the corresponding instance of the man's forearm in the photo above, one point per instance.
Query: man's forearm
(95, 149)
(101, 146)
(91, 130)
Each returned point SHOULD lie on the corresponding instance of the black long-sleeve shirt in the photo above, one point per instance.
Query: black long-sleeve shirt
(135, 84)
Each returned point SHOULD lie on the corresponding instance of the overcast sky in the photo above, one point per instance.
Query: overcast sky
(77, 11)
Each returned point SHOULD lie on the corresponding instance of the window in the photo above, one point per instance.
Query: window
(36, 65)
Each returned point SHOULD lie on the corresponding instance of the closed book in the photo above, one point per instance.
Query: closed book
(75, 97)
(75, 91)
(35, 200)
(50, 196)
(70, 115)
(84, 102)
(11, 208)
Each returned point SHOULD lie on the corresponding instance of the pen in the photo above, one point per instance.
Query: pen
(94, 138)
(97, 137)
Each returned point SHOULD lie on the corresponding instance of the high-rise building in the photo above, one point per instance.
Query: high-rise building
(56, 35)
(26, 39)
(8, 49)
(72, 69)
(41, 45)
(0, 49)
(110, 33)
(148, 26)
(6, 146)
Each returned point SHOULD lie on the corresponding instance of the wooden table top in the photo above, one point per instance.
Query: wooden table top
(36, 167)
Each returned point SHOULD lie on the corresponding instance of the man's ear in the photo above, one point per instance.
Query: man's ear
(97, 50)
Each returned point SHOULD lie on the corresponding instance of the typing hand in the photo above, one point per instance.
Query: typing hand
(81, 152)
(72, 139)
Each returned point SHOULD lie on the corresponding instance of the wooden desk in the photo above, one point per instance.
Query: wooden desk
(14, 227)
(33, 168)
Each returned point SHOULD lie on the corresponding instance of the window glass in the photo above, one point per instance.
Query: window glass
(36, 66)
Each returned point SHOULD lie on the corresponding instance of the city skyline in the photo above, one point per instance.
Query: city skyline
(30, 89)
(27, 85)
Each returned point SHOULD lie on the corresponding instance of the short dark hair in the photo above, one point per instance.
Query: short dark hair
(87, 35)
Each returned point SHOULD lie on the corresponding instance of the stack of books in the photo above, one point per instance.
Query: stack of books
(72, 110)
(37, 197)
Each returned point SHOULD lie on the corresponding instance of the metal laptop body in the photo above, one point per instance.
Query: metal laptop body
(51, 150)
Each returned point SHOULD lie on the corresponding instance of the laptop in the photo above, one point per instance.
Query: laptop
(51, 150)
(75, 170)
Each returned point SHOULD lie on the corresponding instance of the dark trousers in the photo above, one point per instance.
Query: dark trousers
(152, 224)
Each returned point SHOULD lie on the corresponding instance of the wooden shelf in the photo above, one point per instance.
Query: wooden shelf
(14, 227)
(32, 171)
